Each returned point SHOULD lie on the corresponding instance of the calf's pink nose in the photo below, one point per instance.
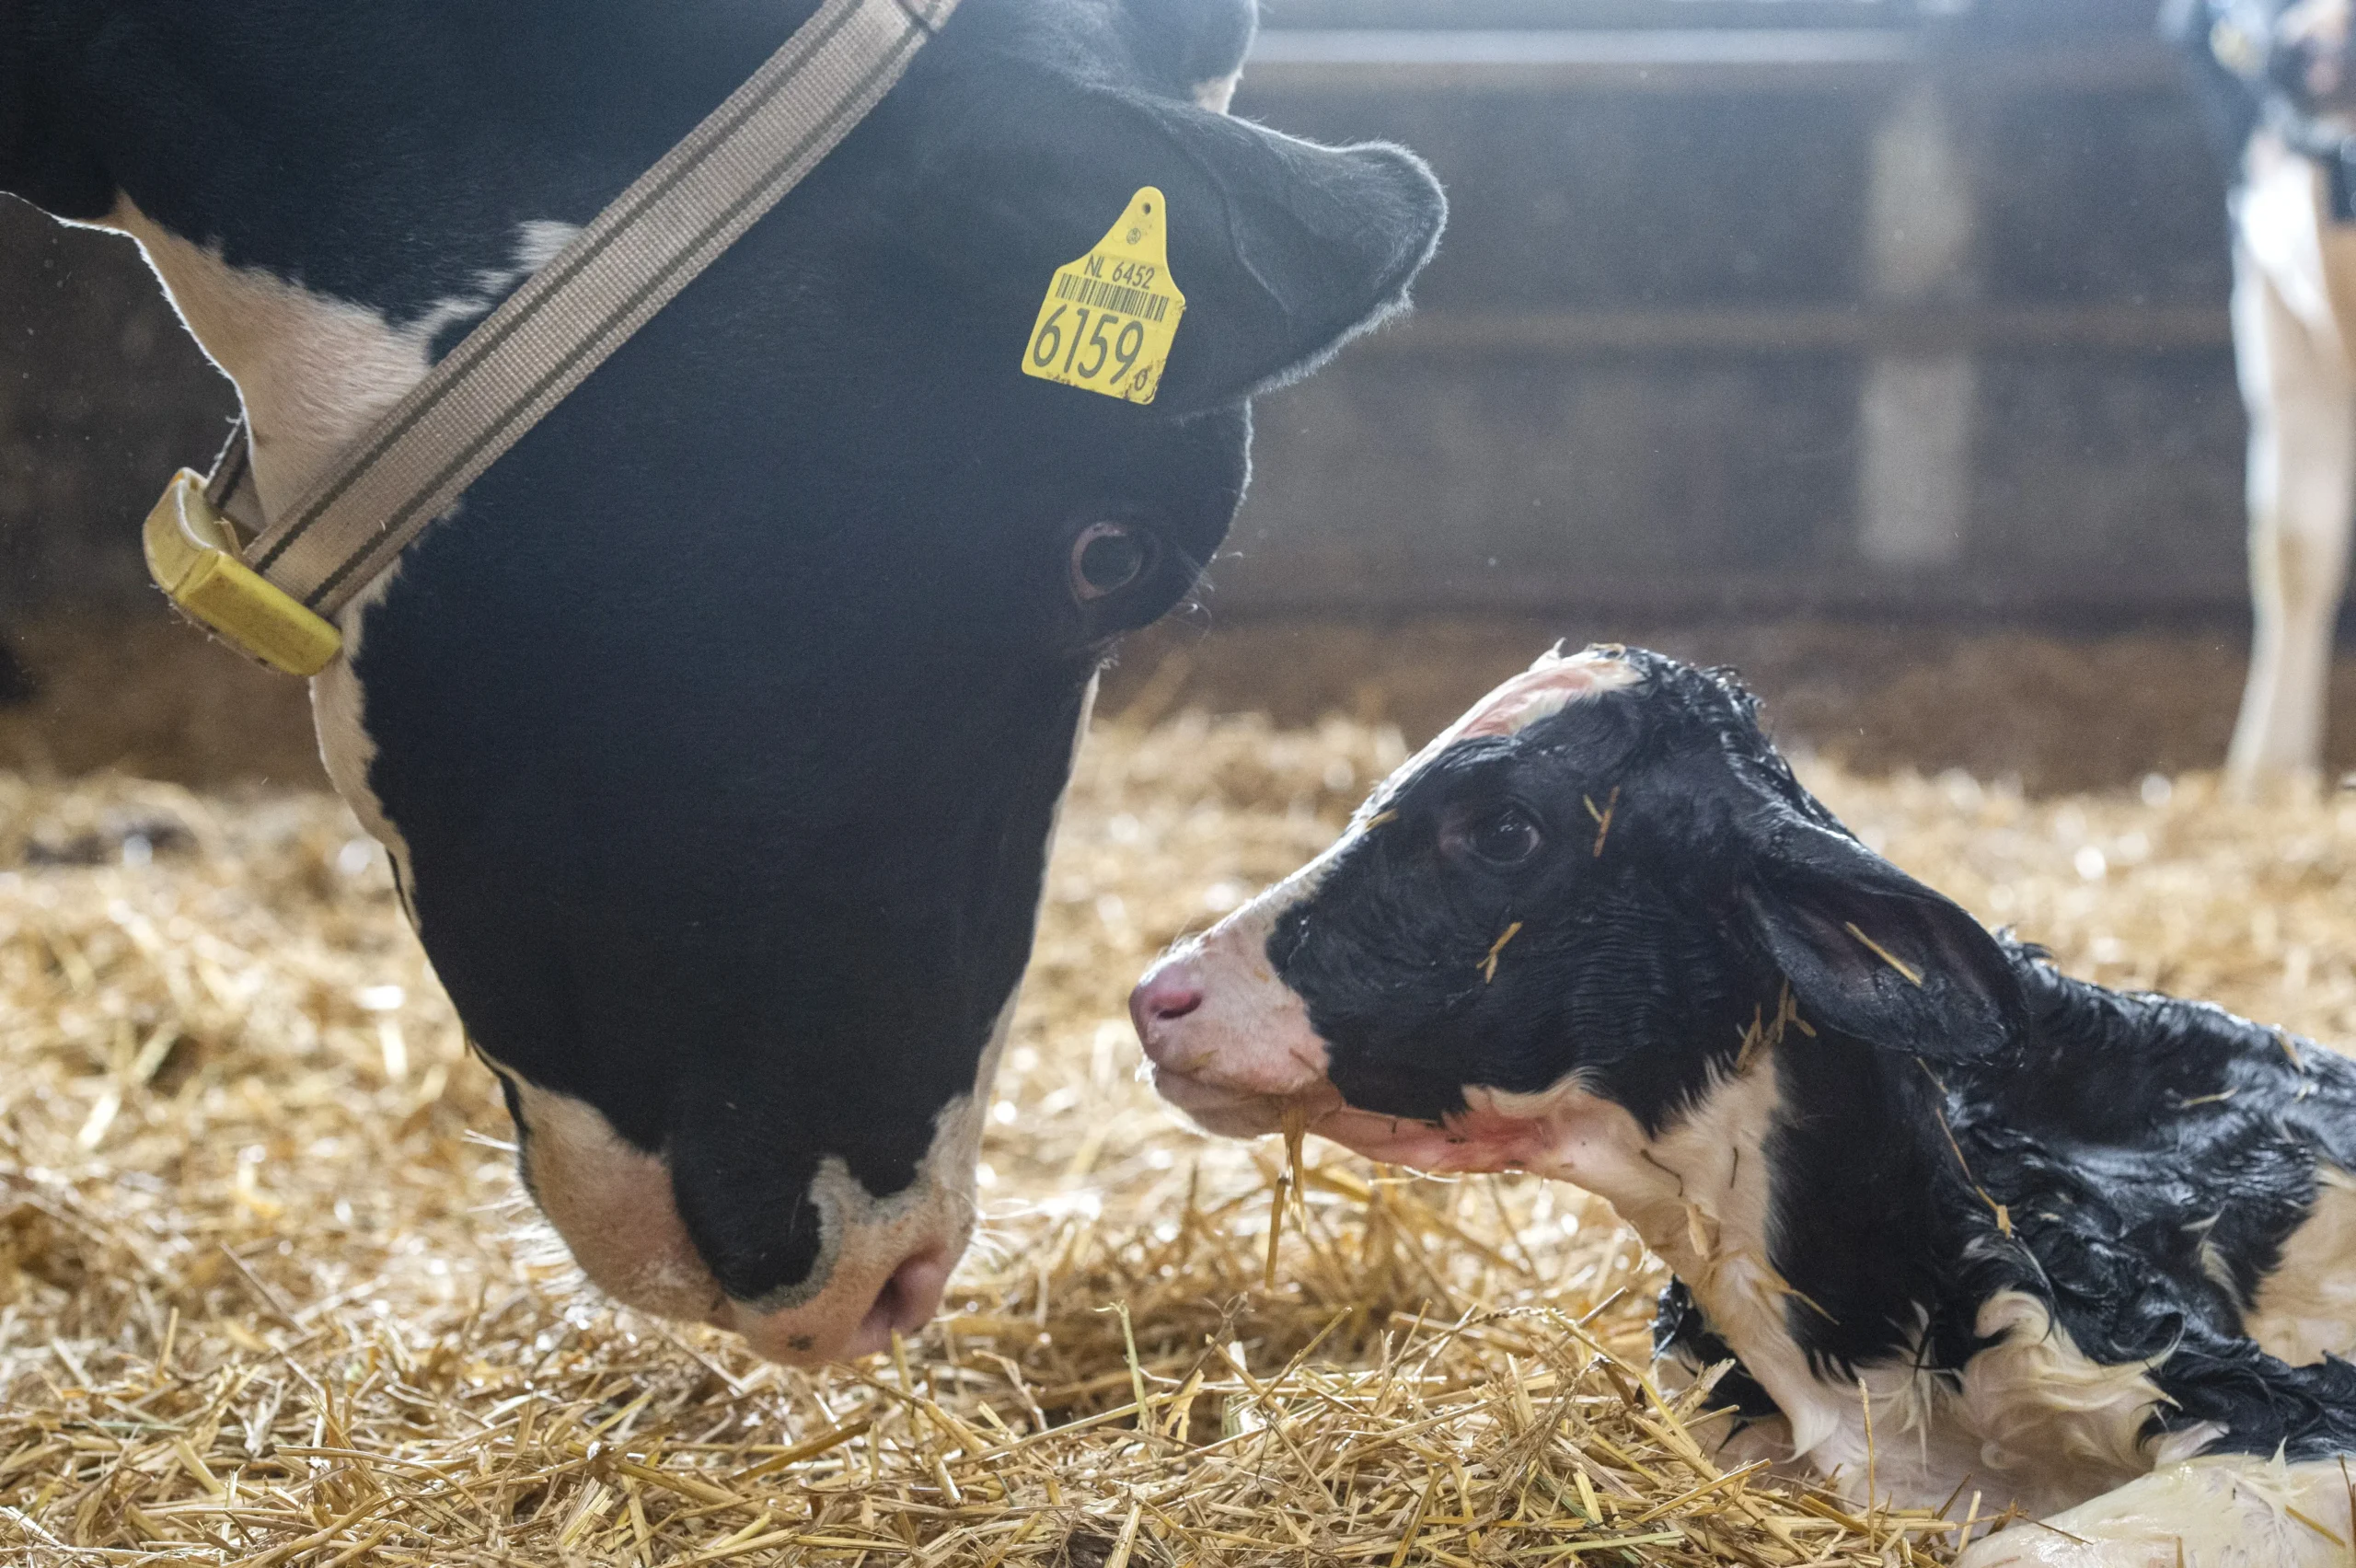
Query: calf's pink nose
(1166, 995)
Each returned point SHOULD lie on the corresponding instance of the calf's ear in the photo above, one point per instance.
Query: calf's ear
(1874, 953)
(1284, 248)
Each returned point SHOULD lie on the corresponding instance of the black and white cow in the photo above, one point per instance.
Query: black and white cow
(2091, 1255)
(717, 736)
(2279, 79)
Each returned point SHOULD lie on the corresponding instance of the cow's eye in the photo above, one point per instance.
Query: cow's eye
(1501, 838)
(1107, 557)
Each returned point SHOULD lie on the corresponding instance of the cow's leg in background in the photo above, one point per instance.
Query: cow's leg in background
(2301, 394)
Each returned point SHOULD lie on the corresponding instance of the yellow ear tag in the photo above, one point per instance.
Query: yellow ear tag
(1110, 316)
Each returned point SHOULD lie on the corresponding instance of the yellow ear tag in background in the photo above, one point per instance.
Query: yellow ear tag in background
(1110, 316)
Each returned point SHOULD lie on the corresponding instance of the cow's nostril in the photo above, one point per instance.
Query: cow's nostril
(908, 1301)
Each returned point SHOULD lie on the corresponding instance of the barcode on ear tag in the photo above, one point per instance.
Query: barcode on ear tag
(1109, 317)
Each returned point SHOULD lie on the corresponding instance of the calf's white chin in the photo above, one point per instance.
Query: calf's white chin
(1223, 1112)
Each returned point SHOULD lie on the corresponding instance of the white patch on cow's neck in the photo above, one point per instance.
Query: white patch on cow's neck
(1698, 1195)
(537, 241)
(2033, 1420)
(2306, 1309)
(339, 713)
(313, 372)
(2274, 220)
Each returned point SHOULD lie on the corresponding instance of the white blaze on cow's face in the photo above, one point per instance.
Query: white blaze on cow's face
(1231, 1045)
(1234, 1046)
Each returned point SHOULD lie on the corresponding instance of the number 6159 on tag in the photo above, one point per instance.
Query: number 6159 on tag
(1110, 317)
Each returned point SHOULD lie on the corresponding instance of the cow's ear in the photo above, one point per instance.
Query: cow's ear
(1287, 250)
(1284, 248)
(1194, 49)
(1876, 954)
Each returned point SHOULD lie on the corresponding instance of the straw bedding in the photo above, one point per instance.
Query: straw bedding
(266, 1297)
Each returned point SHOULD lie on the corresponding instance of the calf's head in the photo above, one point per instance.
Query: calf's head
(1563, 921)
(719, 732)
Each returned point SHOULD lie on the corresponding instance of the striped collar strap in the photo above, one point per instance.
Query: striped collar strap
(544, 340)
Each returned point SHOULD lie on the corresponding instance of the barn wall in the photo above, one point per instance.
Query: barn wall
(102, 394)
(1862, 310)
(1910, 318)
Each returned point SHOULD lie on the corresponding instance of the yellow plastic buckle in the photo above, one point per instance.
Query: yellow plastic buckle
(193, 556)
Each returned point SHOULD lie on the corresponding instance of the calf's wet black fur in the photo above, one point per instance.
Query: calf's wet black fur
(2136, 1161)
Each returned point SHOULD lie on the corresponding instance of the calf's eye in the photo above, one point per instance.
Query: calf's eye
(1505, 836)
(1107, 557)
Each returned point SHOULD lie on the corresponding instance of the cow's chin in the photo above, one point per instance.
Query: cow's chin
(614, 1207)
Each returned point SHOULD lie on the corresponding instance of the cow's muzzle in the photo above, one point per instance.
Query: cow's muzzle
(884, 1273)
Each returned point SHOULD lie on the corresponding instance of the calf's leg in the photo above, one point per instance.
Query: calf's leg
(2302, 400)
(2234, 1511)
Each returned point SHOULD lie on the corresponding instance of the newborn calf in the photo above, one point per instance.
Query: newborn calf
(2064, 1239)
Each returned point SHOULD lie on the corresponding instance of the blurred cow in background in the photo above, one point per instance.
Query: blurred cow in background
(2281, 87)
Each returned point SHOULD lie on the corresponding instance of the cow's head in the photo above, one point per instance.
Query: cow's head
(1563, 921)
(718, 734)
